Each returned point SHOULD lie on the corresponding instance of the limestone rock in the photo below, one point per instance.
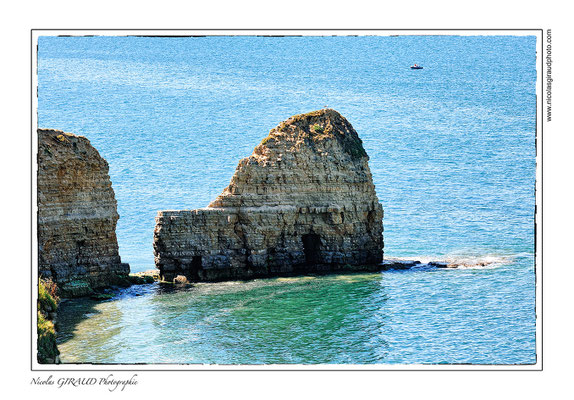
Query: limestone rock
(77, 213)
(304, 201)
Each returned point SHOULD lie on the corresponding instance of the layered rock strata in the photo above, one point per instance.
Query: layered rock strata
(77, 214)
(303, 202)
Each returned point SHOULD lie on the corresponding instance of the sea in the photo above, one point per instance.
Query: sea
(452, 151)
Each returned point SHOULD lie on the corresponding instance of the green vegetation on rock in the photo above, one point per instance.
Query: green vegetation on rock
(47, 298)
(317, 128)
(102, 296)
(47, 349)
(47, 306)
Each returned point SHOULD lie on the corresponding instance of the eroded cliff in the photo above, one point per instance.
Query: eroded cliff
(77, 215)
(304, 201)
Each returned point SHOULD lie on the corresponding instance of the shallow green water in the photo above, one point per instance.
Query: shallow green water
(415, 316)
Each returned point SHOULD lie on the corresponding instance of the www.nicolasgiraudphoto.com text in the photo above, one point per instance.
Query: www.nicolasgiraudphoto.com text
(548, 75)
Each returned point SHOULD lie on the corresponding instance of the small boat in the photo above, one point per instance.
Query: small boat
(416, 67)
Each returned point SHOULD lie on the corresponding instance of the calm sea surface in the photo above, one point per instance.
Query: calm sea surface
(452, 152)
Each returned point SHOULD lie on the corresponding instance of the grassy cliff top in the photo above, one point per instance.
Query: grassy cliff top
(320, 125)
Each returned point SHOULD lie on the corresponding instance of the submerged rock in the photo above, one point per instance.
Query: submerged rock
(304, 201)
(459, 264)
(399, 264)
(102, 296)
(77, 215)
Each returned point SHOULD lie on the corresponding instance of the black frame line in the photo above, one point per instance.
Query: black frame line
(297, 367)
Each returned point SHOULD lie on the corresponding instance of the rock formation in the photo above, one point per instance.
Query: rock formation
(304, 201)
(77, 215)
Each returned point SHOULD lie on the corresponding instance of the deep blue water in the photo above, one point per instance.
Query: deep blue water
(452, 152)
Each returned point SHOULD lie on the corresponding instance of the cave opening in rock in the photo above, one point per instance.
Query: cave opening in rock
(312, 248)
(195, 267)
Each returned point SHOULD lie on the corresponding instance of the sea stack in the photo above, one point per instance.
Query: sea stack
(77, 215)
(303, 202)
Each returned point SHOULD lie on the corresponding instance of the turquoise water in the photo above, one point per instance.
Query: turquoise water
(452, 152)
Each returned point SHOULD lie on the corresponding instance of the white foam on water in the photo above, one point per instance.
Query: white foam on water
(487, 261)
(459, 260)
